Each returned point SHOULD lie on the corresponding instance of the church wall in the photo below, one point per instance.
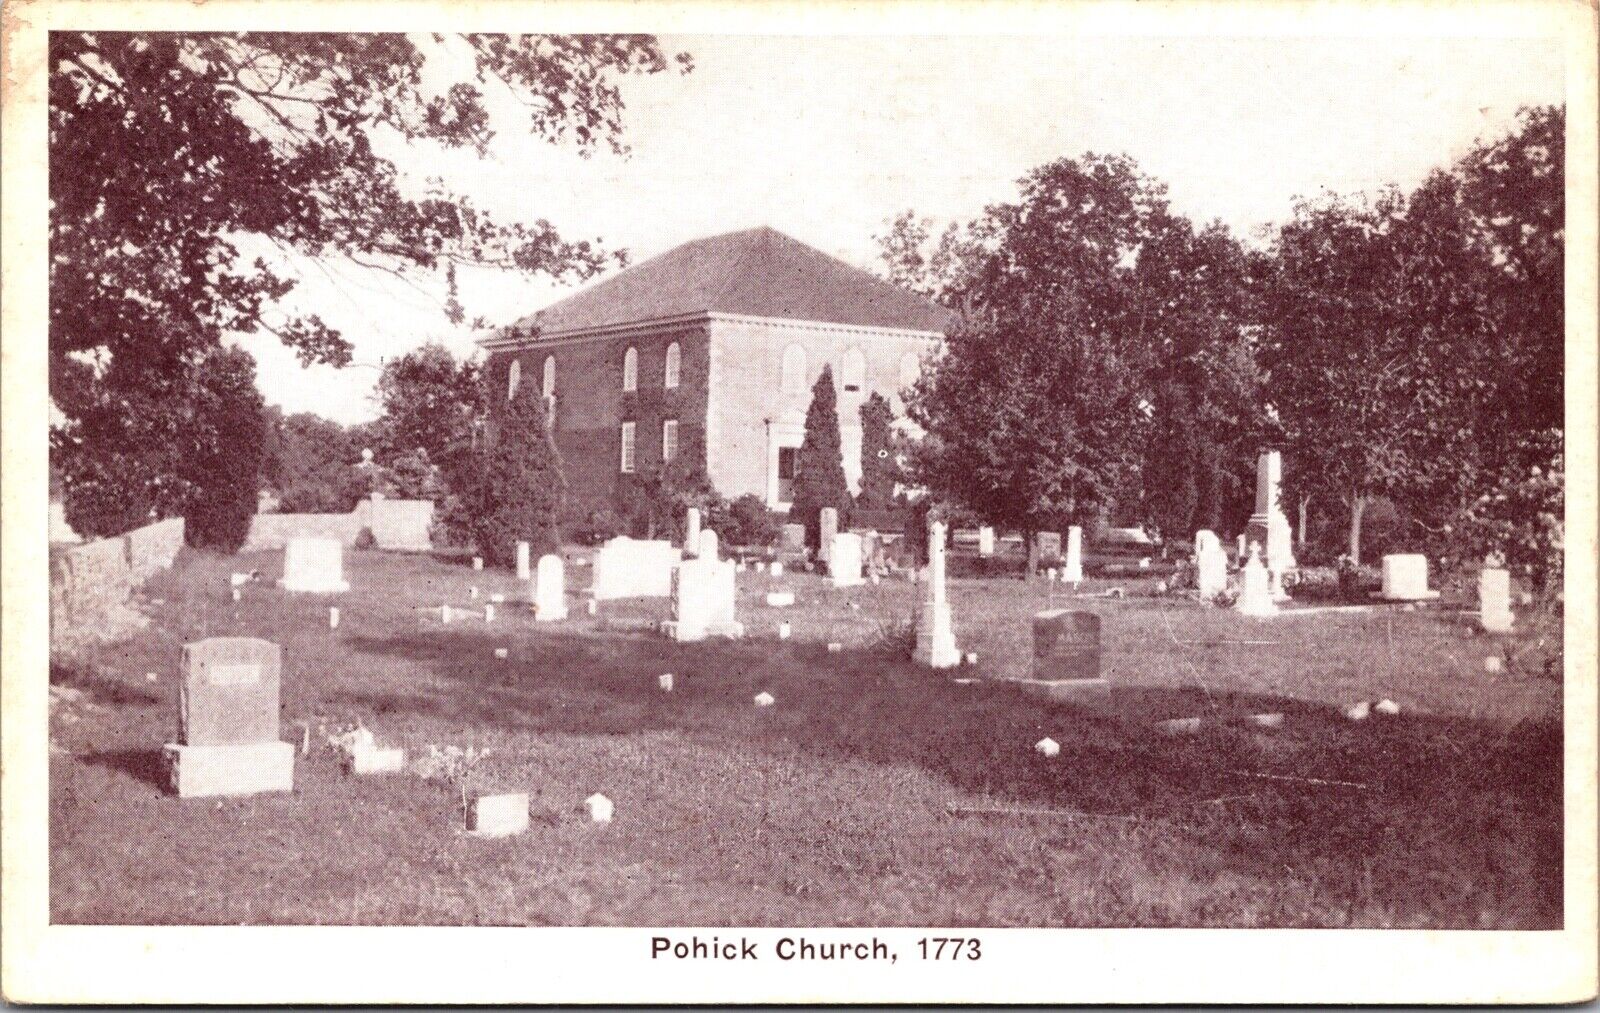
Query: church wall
(750, 414)
(591, 405)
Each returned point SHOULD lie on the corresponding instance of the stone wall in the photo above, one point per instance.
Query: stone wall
(401, 524)
(90, 583)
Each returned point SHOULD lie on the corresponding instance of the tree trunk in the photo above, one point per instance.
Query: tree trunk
(1358, 504)
(1300, 532)
(1030, 539)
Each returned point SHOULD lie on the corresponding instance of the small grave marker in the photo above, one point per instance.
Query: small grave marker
(501, 815)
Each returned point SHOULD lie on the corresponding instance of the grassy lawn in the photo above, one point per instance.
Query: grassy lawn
(834, 806)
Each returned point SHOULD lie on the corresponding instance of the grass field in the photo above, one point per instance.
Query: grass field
(834, 806)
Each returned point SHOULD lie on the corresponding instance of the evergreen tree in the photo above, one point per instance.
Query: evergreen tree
(819, 479)
(520, 490)
(880, 469)
(223, 466)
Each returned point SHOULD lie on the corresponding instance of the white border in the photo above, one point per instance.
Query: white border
(59, 964)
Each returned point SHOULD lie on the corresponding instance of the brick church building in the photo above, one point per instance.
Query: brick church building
(710, 350)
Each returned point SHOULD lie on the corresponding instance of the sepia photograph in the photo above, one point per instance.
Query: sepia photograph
(814, 496)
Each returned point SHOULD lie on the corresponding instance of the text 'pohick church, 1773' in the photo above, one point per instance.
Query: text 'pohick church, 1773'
(711, 349)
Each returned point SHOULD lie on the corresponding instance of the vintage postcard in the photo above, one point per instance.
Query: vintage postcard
(713, 502)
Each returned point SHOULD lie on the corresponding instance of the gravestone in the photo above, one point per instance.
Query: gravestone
(1049, 543)
(704, 600)
(1494, 600)
(986, 542)
(1210, 565)
(1072, 569)
(630, 568)
(793, 540)
(1255, 587)
(1066, 645)
(524, 561)
(844, 560)
(314, 565)
(708, 546)
(829, 525)
(936, 637)
(228, 721)
(691, 532)
(501, 815)
(1066, 658)
(1268, 526)
(550, 590)
(1405, 578)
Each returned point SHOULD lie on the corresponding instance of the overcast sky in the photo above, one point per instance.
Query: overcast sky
(825, 137)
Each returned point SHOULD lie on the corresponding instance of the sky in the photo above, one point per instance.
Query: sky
(827, 137)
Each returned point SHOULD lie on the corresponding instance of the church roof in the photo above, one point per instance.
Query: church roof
(757, 272)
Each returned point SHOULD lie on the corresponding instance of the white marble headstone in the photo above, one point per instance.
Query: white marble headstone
(314, 565)
(550, 589)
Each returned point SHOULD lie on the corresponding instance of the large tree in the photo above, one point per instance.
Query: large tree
(1036, 409)
(430, 402)
(1413, 339)
(168, 149)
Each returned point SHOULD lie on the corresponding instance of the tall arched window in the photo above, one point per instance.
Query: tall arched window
(630, 370)
(910, 369)
(855, 370)
(674, 365)
(794, 370)
(549, 386)
(513, 379)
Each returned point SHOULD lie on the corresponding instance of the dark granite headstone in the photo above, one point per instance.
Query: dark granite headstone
(1066, 645)
(228, 695)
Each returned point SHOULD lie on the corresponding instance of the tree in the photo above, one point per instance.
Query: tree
(1033, 410)
(520, 490)
(222, 465)
(311, 464)
(819, 466)
(880, 467)
(173, 154)
(917, 262)
(430, 402)
(1192, 310)
(1414, 349)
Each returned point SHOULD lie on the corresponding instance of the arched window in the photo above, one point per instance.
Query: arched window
(513, 379)
(549, 375)
(794, 370)
(855, 370)
(674, 365)
(910, 369)
(630, 370)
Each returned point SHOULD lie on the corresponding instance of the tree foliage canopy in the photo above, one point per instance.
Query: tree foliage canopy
(168, 149)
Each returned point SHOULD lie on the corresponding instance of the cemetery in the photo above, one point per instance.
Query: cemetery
(1063, 549)
(914, 749)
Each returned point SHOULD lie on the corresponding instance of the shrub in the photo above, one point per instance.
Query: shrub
(520, 490)
(365, 540)
(745, 521)
(599, 526)
(223, 467)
